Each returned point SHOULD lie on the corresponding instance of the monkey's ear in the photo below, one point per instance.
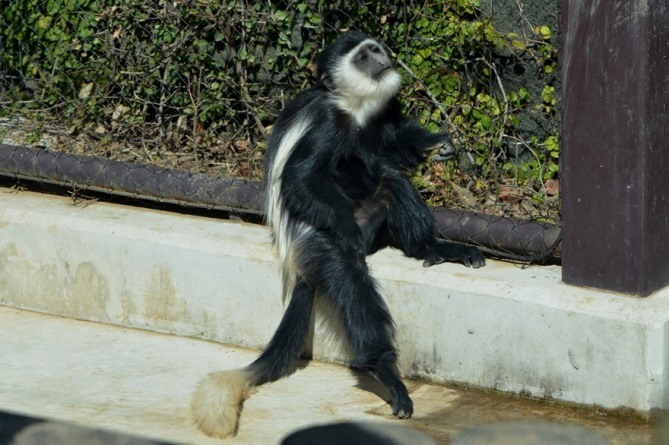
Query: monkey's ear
(327, 82)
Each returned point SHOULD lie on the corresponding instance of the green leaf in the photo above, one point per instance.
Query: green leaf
(425, 53)
(417, 60)
(483, 119)
(280, 15)
(44, 22)
(547, 94)
(545, 32)
(518, 44)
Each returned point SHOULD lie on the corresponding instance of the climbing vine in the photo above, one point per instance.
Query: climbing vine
(198, 83)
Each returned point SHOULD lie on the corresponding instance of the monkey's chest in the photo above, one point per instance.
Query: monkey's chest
(357, 178)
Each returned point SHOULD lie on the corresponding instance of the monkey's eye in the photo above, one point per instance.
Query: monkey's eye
(375, 49)
(362, 58)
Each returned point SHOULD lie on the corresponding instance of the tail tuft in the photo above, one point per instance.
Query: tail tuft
(217, 401)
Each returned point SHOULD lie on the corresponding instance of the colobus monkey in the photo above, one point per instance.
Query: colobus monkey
(338, 189)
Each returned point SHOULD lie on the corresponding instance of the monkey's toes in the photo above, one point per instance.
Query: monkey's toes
(403, 409)
(476, 258)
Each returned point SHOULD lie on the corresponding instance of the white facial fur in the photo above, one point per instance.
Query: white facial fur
(359, 95)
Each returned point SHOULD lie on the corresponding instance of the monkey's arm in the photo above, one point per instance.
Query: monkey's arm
(412, 229)
(409, 144)
(310, 194)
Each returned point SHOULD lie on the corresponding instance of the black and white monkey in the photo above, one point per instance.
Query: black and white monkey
(337, 190)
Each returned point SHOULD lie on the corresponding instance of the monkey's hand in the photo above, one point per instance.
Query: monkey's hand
(443, 251)
(445, 149)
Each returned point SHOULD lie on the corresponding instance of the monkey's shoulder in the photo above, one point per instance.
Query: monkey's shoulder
(306, 106)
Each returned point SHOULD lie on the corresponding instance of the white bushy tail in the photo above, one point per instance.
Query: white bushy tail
(217, 401)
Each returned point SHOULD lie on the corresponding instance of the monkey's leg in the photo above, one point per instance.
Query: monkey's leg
(371, 330)
(411, 228)
(343, 277)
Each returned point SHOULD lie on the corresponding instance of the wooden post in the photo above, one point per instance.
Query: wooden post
(615, 144)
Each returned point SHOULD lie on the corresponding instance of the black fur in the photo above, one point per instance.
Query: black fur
(345, 192)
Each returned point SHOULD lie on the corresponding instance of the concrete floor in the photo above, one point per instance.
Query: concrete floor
(139, 382)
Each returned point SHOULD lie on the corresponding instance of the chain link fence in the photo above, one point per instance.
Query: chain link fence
(173, 101)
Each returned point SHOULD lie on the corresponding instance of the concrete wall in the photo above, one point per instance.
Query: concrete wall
(503, 327)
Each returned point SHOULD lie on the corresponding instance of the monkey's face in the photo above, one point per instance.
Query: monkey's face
(372, 60)
(366, 73)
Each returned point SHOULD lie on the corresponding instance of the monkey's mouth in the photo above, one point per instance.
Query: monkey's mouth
(383, 71)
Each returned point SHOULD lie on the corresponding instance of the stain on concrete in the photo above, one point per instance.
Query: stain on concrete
(424, 364)
(207, 328)
(87, 294)
(128, 307)
(162, 301)
(553, 386)
(464, 408)
(7, 255)
(575, 363)
(52, 288)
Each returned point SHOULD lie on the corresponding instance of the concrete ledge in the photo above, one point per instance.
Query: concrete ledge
(500, 327)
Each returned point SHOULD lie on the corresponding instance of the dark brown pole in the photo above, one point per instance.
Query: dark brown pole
(615, 144)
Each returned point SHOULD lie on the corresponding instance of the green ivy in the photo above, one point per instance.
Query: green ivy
(189, 72)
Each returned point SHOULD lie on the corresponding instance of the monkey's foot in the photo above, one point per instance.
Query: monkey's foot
(443, 251)
(402, 406)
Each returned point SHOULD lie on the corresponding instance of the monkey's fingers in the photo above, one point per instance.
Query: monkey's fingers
(445, 151)
(443, 155)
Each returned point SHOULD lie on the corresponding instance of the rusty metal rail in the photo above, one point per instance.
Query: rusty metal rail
(503, 237)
